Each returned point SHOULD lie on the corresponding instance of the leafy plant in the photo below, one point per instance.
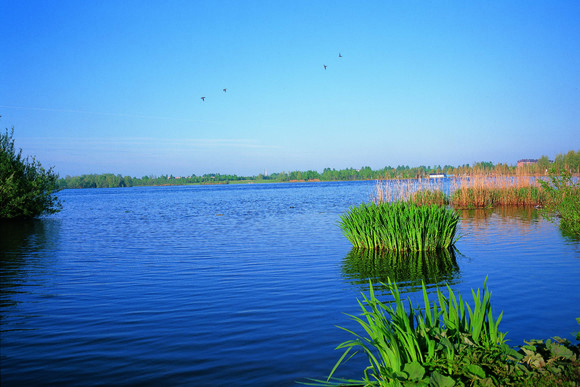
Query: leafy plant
(26, 188)
(447, 342)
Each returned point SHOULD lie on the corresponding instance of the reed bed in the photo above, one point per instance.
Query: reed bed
(400, 226)
(475, 191)
(389, 191)
(496, 190)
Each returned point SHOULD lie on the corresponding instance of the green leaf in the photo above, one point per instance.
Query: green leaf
(475, 370)
(438, 380)
(414, 370)
(557, 351)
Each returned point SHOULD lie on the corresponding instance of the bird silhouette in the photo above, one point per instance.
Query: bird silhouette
(225, 90)
(324, 67)
(339, 55)
(203, 98)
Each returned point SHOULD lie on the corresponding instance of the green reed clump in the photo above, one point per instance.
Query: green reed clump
(428, 196)
(447, 342)
(400, 226)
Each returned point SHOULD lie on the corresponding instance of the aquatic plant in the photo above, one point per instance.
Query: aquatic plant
(447, 343)
(400, 226)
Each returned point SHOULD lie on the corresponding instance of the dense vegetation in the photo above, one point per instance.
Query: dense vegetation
(26, 188)
(449, 342)
(569, 161)
(400, 226)
(563, 201)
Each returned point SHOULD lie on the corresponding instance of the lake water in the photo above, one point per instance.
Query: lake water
(240, 284)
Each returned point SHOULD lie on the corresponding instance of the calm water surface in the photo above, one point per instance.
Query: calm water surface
(239, 284)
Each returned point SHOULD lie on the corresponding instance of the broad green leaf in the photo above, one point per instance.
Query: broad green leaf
(475, 370)
(415, 371)
(438, 380)
(557, 351)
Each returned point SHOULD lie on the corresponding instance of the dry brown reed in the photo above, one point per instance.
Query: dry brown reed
(416, 190)
(491, 190)
(480, 189)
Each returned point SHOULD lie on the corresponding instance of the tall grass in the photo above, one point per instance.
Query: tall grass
(420, 191)
(400, 226)
(482, 191)
(473, 191)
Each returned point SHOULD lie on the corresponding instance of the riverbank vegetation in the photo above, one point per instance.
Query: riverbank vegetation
(448, 342)
(400, 226)
(563, 201)
(27, 190)
(569, 161)
(557, 195)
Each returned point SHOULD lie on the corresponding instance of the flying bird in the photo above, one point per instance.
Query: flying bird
(340, 56)
(324, 67)
(203, 98)
(225, 90)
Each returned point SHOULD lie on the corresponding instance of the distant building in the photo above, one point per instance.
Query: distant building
(437, 175)
(523, 162)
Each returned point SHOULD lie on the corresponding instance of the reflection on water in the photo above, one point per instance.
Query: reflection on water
(525, 218)
(21, 243)
(408, 269)
(505, 216)
(502, 220)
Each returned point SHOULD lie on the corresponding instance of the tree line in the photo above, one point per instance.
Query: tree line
(569, 161)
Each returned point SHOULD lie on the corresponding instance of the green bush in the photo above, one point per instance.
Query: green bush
(563, 201)
(26, 188)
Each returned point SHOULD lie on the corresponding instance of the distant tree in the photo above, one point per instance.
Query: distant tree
(26, 188)
(543, 164)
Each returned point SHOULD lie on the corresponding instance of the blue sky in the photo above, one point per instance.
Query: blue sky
(116, 86)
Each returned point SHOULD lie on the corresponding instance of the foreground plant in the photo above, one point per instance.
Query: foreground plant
(447, 343)
(400, 226)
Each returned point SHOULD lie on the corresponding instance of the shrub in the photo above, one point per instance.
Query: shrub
(26, 188)
(563, 201)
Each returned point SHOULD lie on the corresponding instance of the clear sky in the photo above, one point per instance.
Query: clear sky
(116, 86)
